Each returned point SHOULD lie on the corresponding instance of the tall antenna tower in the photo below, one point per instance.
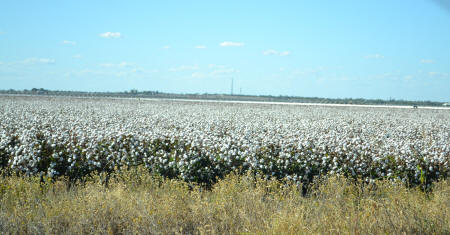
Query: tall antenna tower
(231, 86)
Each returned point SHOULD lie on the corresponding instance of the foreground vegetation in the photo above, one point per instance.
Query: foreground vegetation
(136, 202)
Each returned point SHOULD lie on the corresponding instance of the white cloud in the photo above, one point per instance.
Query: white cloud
(216, 71)
(438, 75)
(119, 65)
(224, 71)
(374, 56)
(184, 68)
(166, 47)
(221, 69)
(137, 70)
(408, 77)
(274, 52)
(38, 61)
(110, 35)
(216, 66)
(69, 42)
(198, 75)
(77, 56)
(122, 69)
(424, 61)
(107, 65)
(310, 71)
(124, 64)
(200, 47)
(270, 52)
(231, 44)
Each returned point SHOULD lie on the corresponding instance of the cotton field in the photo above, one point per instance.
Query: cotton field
(201, 141)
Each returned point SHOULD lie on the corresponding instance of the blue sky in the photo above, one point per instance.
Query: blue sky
(359, 49)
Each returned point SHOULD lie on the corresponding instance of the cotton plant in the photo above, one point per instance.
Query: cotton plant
(200, 142)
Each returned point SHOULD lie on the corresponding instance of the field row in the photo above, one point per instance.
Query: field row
(198, 141)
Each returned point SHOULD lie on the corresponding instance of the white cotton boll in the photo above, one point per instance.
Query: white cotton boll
(104, 125)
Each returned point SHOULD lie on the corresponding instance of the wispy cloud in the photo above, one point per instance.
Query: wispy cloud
(125, 64)
(198, 75)
(374, 56)
(166, 47)
(101, 72)
(224, 71)
(216, 66)
(275, 52)
(38, 61)
(231, 44)
(122, 69)
(32, 61)
(438, 75)
(119, 65)
(200, 47)
(217, 71)
(221, 70)
(77, 56)
(184, 68)
(426, 61)
(110, 35)
(408, 77)
(69, 42)
(270, 52)
(308, 72)
(107, 65)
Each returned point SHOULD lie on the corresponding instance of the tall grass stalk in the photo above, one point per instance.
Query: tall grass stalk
(140, 203)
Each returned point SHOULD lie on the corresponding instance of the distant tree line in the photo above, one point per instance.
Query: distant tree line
(263, 98)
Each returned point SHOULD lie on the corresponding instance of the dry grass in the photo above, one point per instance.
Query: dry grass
(138, 203)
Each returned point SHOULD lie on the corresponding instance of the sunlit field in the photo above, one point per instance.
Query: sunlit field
(103, 165)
